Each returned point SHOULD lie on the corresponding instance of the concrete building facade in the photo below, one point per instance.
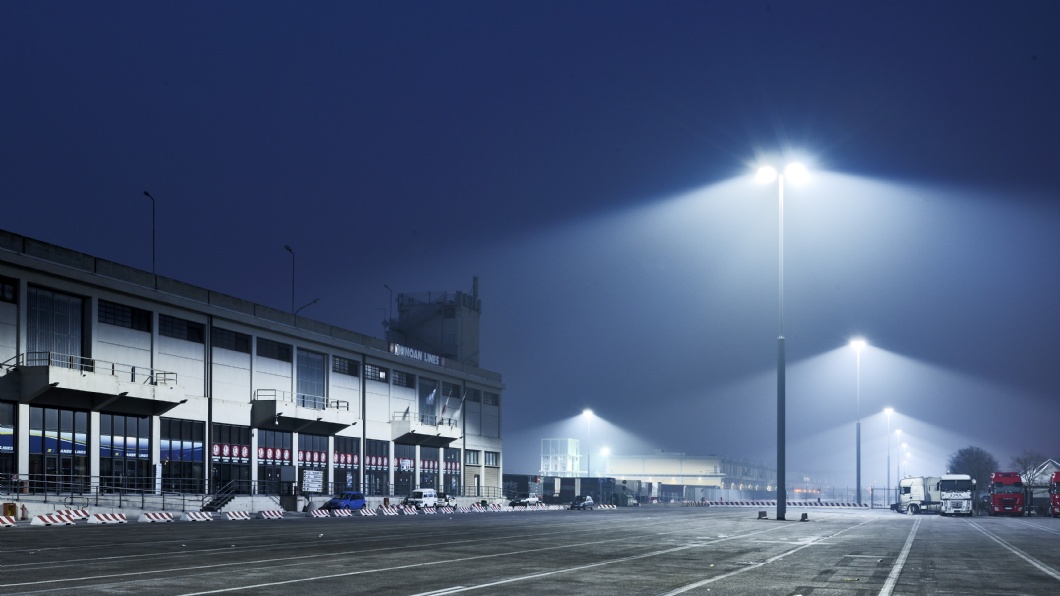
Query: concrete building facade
(117, 379)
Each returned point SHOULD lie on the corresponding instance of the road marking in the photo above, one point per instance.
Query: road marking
(1041, 566)
(455, 590)
(1036, 526)
(814, 541)
(896, 570)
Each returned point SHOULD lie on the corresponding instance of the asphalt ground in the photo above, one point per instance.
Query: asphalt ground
(664, 549)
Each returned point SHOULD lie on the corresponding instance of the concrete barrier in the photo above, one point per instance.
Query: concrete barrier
(237, 515)
(155, 517)
(196, 516)
(366, 511)
(52, 520)
(271, 514)
(74, 513)
(107, 518)
(7, 521)
(319, 513)
(342, 513)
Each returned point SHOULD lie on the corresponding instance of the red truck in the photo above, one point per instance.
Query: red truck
(1007, 496)
(1054, 495)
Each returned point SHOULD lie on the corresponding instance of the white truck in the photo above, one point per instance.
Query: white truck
(918, 494)
(956, 490)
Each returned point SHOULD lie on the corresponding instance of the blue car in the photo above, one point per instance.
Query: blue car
(348, 500)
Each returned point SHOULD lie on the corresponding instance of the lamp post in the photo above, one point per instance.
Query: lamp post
(858, 345)
(588, 440)
(796, 173)
(288, 248)
(315, 300)
(148, 195)
(888, 411)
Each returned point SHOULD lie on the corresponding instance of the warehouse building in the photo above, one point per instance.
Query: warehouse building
(116, 380)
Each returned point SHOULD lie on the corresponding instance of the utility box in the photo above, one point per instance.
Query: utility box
(10, 509)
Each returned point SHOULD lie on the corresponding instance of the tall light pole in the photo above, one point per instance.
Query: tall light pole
(290, 250)
(898, 460)
(888, 411)
(148, 195)
(588, 440)
(796, 173)
(858, 345)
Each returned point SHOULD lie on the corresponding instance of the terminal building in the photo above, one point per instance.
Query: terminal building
(113, 379)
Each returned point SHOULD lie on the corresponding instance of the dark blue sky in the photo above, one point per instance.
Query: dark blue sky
(584, 160)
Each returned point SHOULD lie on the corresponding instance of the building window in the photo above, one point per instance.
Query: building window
(181, 329)
(230, 340)
(8, 290)
(404, 379)
(450, 390)
(474, 395)
(344, 366)
(181, 454)
(491, 399)
(375, 373)
(492, 459)
(471, 457)
(121, 315)
(311, 381)
(274, 350)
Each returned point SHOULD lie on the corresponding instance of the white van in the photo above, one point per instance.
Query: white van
(422, 497)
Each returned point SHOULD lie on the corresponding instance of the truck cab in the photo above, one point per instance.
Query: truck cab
(955, 491)
(1007, 496)
(1054, 495)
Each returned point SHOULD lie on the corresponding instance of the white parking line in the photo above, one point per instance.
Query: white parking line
(1041, 566)
(896, 570)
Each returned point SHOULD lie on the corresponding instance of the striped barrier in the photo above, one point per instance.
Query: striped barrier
(342, 513)
(496, 507)
(196, 516)
(73, 513)
(430, 510)
(408, 510)
(444, 509)
(463, 509)
(271, 514)
(607, 506)
(478, 509)
(7, 521)
(52, 520)
(319, 513)
(107, 518)
(237, 515)
(389, 510)
(155, 517)
(366, 511)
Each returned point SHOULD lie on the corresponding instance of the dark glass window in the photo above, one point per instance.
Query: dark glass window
(181, 329)
(121, 315)
(344, 366)
(230, 340)
(8, 290)
(375, 373)
(274, 350)
(404, 379)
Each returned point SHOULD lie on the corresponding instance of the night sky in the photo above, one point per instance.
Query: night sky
(591, 162)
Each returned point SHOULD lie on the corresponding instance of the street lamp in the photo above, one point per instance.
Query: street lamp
(796, 173)
(588, 439)
(858, 345)
(148, 195)
(315, 300)
(888, 411)
(288, 248)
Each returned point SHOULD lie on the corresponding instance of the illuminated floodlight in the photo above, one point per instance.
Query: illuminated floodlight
(796, 173)
(858, 344)
(765, 175)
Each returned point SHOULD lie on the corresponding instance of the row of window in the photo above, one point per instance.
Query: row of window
(139, 319)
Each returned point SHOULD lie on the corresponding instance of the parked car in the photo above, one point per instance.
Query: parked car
(446, 500)
(524, 500)
(347, 500)
(422, 498)
(583, 502)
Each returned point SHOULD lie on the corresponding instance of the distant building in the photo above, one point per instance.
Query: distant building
(561, 458)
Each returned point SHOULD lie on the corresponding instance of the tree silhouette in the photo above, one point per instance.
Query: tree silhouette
(975, 462)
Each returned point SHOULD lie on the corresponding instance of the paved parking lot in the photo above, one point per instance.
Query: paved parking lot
(648, 550)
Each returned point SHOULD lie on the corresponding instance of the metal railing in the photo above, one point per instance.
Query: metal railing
(123, 372)
(425, 419)
(302, 400)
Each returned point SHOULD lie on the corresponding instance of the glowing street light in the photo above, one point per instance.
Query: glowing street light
(858, 345)
(588, 440)
(796, 174)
